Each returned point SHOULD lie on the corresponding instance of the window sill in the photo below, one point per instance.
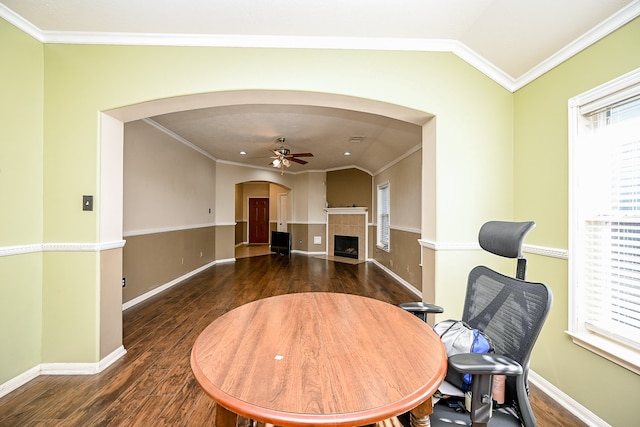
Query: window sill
(383, 248)
(617, 353)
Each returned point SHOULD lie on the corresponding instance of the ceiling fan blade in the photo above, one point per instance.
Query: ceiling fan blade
(302, 162)
(300, 155)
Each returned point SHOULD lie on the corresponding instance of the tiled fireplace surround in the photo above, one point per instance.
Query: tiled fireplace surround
(348, 222)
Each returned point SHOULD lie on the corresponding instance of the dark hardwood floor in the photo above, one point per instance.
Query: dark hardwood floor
(152, 385)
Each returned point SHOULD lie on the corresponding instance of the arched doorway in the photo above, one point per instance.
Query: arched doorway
(277, 214)
(112, 124)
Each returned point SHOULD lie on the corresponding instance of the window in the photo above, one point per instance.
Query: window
(383, 216)
(604, 255)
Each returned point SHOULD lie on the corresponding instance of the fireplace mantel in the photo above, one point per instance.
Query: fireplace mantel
(346, 210)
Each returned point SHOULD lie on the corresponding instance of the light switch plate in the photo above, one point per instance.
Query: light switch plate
(87, 203)
(317, 240)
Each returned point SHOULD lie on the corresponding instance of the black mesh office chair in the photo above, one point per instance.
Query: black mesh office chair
(511, 311)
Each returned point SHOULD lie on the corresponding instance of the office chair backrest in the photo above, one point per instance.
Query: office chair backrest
(505, 239)
(511, 311)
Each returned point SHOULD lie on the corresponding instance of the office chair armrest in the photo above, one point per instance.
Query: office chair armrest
(421, 307)
(483, 367)
(483, 364)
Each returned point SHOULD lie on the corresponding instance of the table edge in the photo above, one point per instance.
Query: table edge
(289, 419)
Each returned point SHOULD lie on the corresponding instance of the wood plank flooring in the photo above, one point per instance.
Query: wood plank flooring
(152, 385)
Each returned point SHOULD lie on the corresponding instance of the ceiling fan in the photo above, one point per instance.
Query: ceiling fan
(283, 157)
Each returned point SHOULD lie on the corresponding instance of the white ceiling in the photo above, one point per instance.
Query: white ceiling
(512, 41)
(224, 132)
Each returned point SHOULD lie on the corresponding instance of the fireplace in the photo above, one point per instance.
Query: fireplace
(347, 222)
(345, 246)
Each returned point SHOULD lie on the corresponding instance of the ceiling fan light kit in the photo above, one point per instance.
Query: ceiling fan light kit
(282, 156)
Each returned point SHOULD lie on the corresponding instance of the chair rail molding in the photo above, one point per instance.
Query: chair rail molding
(467, 246)
(60, 247)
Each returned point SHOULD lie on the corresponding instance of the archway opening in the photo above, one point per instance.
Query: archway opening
(112, 126)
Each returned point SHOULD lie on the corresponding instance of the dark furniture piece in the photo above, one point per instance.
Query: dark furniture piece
(511, 311)
(281, 242)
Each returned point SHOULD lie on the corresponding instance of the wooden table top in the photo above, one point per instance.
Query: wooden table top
(318, 359)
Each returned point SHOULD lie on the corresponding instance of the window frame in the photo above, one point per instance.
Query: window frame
(380, 243)
(580, 107)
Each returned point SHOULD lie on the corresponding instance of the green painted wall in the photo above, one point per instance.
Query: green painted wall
(473, 159)
(541, 185)
(21, 193)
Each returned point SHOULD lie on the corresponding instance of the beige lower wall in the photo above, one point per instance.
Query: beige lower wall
(224, 248)
(152, 260)
(403, 257)
(299, 237)
(302, 237)
(316, 230)
(241, 232)
(110, 301)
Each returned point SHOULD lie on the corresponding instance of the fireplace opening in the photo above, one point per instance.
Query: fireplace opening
(345, 246)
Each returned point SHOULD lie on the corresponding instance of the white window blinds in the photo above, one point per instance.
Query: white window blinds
(383, 216)
(608, 226)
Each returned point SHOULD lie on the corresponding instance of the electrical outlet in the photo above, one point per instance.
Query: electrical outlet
(124, 282)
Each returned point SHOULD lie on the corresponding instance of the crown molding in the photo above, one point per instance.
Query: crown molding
(606, 27)
(412, 150)
(178, 138)
(622, 17)
(22, 24)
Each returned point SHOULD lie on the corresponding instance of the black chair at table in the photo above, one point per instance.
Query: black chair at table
(511, 311)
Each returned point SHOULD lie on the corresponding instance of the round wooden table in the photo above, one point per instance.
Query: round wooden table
(318, 359)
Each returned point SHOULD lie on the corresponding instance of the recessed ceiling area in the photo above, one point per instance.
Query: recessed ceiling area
(373, 140)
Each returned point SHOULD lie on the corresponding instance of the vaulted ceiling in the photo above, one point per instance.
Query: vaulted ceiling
(511, 41)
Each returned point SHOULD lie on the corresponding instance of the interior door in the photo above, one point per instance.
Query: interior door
(259, 220)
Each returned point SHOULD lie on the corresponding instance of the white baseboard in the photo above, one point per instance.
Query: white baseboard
(82, 368)
(155, 291)
(566, 401)
(61, 369)
(399, 279)
(19, 381)
(295, 251)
